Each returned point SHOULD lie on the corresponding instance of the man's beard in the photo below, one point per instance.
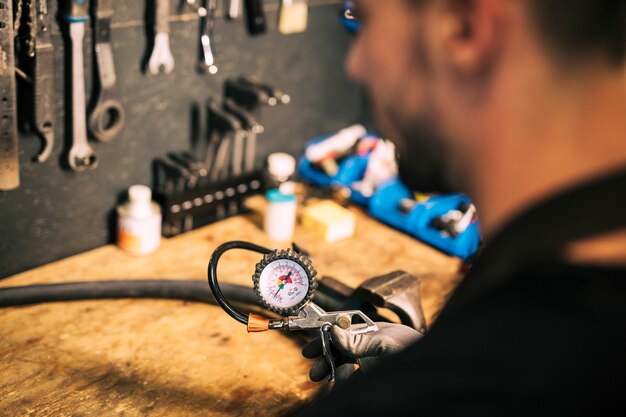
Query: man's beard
(423, 160)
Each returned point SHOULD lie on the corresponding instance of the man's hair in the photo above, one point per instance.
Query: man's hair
(576, 29)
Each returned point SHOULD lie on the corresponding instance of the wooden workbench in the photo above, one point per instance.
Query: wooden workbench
(174, 358)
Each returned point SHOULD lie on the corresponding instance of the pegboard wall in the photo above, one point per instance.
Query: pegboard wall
(56, 212)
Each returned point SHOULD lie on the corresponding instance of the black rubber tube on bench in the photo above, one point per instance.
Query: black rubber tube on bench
(212, 272)
(196, 291)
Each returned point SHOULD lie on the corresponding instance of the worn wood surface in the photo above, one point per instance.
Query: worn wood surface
(174, 358)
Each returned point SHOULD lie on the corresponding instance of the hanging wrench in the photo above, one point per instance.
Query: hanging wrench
(161, 53)
(107, 115)
(81, 156)
(207, 63)
(44, 115)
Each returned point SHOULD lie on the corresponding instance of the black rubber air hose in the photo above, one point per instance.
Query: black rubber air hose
(212, 272)
(144, 288)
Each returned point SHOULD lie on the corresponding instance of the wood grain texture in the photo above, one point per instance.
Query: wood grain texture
(174, 358)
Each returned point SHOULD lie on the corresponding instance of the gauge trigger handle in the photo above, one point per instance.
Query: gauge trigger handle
(328, 356)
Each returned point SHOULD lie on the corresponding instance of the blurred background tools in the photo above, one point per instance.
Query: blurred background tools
(364, 166)
(106, 116)
(211, 182)
(160, 116)
(9, 156)
(81, 156)
(43, 79)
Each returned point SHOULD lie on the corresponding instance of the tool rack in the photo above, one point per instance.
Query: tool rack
(187, 209)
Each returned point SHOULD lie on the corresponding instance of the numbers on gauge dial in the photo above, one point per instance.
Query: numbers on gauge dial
(284, 283)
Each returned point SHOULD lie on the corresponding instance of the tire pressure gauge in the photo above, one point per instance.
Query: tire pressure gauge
(284, 281)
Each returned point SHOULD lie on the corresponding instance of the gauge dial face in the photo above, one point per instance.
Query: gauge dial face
(284, 283)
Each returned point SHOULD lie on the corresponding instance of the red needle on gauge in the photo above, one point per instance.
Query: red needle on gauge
(284, 281)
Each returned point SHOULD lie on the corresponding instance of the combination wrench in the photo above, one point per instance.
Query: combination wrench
(81, 156)
(107, 116)
(161, 53)
(44, 114)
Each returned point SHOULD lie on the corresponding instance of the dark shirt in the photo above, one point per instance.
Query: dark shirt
(525, 333)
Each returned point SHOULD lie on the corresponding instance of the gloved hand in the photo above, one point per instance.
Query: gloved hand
(369, 348)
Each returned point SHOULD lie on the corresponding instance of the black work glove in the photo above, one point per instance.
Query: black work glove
(370, 348)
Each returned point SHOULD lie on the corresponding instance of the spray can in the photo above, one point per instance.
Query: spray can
(139, 222)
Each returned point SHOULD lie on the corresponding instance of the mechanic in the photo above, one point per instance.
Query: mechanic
(521, 104)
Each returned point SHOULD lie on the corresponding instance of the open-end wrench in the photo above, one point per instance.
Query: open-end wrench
(81, 156)
(107, 115)
(44, 115)
(161, 53)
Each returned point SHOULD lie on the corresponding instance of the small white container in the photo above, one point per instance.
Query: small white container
(139, 222)
(280, 215)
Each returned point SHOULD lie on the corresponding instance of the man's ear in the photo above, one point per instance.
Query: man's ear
(472, 33)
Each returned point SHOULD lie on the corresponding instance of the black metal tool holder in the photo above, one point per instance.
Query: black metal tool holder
(189, 208)
(194, 191)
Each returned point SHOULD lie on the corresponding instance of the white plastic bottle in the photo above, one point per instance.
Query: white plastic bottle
(139, 222)
(280, 215)
(280, 212)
